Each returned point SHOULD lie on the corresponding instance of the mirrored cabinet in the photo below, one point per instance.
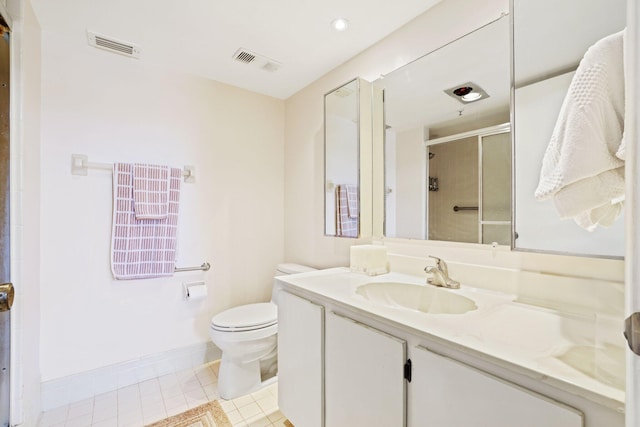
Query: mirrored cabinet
(347, 166)
(450, 147)
(442, 123)
(545, 58)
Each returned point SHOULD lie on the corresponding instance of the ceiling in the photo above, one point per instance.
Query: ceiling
(414, 94)
(201, 36)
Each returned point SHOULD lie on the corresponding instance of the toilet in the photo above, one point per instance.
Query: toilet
(246, 335)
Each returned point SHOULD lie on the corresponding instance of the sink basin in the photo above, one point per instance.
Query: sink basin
(425, 298)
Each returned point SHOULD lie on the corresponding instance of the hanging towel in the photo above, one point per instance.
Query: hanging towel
(580, 169)
(352, 200)
(150, 191)
(144, 248)
(345, 226)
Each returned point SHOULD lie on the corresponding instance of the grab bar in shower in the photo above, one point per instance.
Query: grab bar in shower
(464, 208)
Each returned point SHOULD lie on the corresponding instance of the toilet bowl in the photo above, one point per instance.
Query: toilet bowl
(247, 337)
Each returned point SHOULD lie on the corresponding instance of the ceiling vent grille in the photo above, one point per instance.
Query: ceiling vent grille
(112, 45)
(245, 56)
(259, 61)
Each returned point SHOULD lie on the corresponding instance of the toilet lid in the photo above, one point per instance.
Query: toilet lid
(246, 317)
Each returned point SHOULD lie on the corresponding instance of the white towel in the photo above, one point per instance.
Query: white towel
(580, 169)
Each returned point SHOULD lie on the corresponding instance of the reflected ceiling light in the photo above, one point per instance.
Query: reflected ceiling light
(467, 92)
(471, 96)
(340, 24)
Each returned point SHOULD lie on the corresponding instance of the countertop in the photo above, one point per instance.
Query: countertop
(577, 353)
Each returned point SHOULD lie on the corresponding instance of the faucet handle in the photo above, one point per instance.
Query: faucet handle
(441, 265)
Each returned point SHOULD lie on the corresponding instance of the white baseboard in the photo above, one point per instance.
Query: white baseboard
(77, 387)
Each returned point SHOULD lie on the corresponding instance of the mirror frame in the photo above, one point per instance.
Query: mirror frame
(556, 73)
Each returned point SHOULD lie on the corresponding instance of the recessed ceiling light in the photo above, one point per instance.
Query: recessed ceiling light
(339, 24)
(467, 92)
(472, 96)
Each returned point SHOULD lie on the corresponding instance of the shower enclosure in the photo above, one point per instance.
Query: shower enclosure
(469, 187)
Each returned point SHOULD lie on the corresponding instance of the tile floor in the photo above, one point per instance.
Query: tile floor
(152, 400)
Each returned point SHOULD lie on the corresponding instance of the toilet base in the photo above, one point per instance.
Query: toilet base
(237, 379)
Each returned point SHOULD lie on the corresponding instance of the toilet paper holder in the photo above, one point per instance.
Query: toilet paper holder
(195, 290)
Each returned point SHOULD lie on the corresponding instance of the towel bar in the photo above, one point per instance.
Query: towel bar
(204, 267)
(80, 165)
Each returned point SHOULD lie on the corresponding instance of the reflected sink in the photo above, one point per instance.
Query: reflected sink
(605, 364)
(424, 298)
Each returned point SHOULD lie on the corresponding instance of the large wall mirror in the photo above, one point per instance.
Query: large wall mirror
(550, 38)
(347, 130)
(444, 123)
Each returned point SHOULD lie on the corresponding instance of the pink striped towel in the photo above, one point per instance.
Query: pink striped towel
(345, 226)
(352, 200)
(150, 191)
(142, 248)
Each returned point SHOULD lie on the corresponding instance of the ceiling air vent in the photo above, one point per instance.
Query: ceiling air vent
(112, 45)
(244, 56)
(259, 61)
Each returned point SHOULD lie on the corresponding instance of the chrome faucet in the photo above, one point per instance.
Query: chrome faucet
(440, 275)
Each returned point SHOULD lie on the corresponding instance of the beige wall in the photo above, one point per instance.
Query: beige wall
(25, 214)
(118, 109)
(411, 185)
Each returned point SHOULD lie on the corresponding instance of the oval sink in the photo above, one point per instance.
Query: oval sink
(424, 298)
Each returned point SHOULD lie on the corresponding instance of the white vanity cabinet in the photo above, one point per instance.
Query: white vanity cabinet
(364, 383)
(300, 360)
(445, 392)
(345, 367)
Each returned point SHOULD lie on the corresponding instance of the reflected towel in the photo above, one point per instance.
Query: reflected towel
(352, 200)
(580, 169)
(345, 226)
(144, 248)
(150, 191)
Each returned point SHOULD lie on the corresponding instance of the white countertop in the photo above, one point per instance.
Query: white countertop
(577, 353)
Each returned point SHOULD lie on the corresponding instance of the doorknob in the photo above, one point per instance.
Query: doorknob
(6, 296)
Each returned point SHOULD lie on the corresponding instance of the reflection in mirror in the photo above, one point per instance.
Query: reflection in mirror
(447, 143)
(469, 194)
(545, 57)
(341, 170)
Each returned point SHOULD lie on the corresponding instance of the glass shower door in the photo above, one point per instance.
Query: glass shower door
(495, 185)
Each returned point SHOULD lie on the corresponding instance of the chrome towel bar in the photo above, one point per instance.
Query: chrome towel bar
(80, 165)
(204, 267)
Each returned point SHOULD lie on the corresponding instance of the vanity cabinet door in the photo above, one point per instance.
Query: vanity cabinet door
(364, 382)
(300, 360)
(444, 392)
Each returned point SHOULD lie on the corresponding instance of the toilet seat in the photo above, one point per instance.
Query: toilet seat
(249, 317)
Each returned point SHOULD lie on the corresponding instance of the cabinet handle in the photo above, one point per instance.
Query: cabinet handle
(407, 370)
(7, 294)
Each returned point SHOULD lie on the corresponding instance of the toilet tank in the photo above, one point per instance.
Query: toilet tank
(284, 270)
